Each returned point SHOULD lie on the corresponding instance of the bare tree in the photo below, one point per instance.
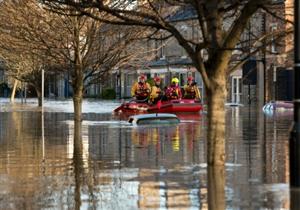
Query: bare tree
(86, 48)
(221, 24)
(24, 68)
(20, 63)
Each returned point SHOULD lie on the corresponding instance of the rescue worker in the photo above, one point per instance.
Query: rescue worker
(191, 90)
(173, 91)
(141, 89)
(156, 92)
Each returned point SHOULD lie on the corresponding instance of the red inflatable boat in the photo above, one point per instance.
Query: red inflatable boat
(182, 105)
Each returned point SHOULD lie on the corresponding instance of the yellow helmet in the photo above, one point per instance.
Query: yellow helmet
(175, 80)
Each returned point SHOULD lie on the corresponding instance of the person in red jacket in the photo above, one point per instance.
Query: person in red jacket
(173, 91)
(141, 89)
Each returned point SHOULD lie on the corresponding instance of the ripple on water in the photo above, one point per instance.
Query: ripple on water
(118, 166)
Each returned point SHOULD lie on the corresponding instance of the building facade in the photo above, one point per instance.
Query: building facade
(170, 59)
(279, 56)
(267, 74)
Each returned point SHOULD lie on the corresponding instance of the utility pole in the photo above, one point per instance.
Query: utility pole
(43, 86)
(295, 133)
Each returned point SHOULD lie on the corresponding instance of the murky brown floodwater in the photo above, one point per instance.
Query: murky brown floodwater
(119, 166)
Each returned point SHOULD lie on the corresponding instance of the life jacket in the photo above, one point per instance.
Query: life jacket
(158, 90)
(156, 93)
(142, 90)
(173, 92)
(189, 92)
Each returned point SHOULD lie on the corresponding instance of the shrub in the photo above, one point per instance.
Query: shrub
(151, 82)
(109, 94)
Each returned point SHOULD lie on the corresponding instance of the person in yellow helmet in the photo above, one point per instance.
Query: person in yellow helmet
(156, 92)
(173, 91)
(141, 89)
(175, 81)
(191, 91)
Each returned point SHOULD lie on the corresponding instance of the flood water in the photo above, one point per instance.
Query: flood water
(120, 166)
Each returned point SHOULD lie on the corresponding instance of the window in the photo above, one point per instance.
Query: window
(273, 44)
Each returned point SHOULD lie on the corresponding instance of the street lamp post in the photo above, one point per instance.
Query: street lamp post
(294, 143)
(43, 86)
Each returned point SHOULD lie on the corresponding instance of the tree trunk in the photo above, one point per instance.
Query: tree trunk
(216, 96)
(39, 95)
(38, 90)
(77, 99)
(78, 163)
(77, 82)
(12, 97)
(216, 187)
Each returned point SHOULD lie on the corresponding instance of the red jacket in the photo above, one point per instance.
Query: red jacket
(173, 92)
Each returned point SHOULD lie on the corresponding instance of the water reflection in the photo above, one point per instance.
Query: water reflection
(216, 187)
(295, 195)
(78, 163)
(107, 164)
(260, 147)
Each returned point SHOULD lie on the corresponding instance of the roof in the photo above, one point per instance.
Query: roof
(158, 63)
(183, 14)
(182, 61)
(158, 118)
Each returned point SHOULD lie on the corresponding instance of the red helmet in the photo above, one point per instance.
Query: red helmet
(142, 76)
(190, 78)
(156, 79)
